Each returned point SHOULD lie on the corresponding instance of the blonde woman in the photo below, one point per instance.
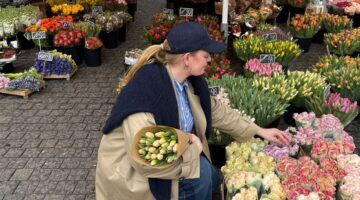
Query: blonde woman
(166, 87)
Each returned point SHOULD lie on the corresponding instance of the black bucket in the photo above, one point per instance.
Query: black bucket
(110, 39)
(319, 37)
(132, 7)
(283, 15)
(122, 33)
(76, 53)
(304, 43)
(294, 11)
(92, 57)
(217, 153)
(23, 42)
(7, 68)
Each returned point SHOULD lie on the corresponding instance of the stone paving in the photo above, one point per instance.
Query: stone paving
(49, 143)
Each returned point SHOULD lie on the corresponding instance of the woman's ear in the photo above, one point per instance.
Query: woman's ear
(186, 58)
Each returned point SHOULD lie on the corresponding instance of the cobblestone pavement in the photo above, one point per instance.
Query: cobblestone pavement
(48, 143)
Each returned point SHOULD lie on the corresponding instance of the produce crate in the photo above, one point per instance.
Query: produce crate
(65, 76)
(24, 93)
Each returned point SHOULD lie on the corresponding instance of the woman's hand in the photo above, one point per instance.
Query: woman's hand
(196, 140)
(274, 135)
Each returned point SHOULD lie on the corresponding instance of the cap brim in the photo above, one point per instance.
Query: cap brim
(213, 46)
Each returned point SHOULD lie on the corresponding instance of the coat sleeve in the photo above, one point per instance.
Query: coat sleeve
(187, 166)
(231, 122)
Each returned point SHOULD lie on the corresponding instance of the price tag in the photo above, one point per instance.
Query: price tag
(97, 9)
(45, 56)
(67, 24)
(91, 23)
(232, 14)
(267, 58)
(168, 11)
(38, 35)
(327, 91)
(268, 1)
(130, 60)
(270, 37)
(214, 90)
(27, 36)
(186, 12)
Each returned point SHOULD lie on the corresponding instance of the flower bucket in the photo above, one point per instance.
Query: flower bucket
(76, 53)
(110, 39)
(122, 33)
(23, 42)
(304, 43)
(7, 68)
(274, 124)
(217, 153)
(319, 37)
(92, 57)
(356, 20)
(283, 15)
(132, 7)
(294, 11)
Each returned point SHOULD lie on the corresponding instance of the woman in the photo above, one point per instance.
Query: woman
(166, 87)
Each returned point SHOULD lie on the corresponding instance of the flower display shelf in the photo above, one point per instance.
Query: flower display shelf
(23, 93)
(65, 76)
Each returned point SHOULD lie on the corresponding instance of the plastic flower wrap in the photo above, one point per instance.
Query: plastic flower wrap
(331, 168)
(240, 179)
(311, 196)
(251, 47)
(307, 84)
(108, 21)
(61, 64)
(67, 9)
(273, 188)
(350, 185)
(329, 63)
(247, 156)
(278, 152)
(335, 23)
(322, 149)
(342, 108)
(305, 120)
(4, 81)
(264, 106)
(277, 84)
(246, 194)
(350, 163)
(254, 67)
(305, 176)
(304, 26)
(343, 43)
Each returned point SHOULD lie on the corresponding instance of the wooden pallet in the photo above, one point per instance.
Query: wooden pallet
(24, 93)
(66, 76)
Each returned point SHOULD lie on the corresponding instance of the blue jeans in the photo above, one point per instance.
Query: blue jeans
(200, 188)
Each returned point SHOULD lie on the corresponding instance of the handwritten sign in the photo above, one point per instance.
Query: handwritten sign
(45, 56)
(327, 91)
(168, 11)
(97, 9)
(270, 37)
(27, 36)
(67, 24)
(214, 90)
(186, 12)
(267, 58)
(38, 35)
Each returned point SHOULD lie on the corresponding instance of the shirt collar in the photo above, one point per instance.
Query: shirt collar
(180, 86)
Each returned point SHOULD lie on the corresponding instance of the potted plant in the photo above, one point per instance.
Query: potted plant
(303, 28)
(70, 42)
(126, 18)
(92, 51)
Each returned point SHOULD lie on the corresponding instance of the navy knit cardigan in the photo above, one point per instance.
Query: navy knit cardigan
(151, 90)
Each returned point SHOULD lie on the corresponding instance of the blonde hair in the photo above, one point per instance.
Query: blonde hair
(161, 53)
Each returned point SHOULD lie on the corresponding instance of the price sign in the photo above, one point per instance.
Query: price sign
(97, 9)
(232, 14)
(267, 58)
(27, 36)
(45, 56)
(186, 12)
(67, 24)
(214, 90)
(268, 1)
(38, 35)
(168, 11)
(327, 91)
(270, 37)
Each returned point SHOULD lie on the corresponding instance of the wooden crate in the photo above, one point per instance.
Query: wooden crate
(24, 93)
(66, 76)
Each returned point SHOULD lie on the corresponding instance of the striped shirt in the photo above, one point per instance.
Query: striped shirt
(186, 117)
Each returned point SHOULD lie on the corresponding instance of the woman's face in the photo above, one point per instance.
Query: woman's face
(198, 62)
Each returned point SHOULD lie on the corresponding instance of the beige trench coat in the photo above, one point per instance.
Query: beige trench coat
(118, 177)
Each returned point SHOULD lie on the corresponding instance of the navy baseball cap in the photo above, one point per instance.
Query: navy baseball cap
(190, 36)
